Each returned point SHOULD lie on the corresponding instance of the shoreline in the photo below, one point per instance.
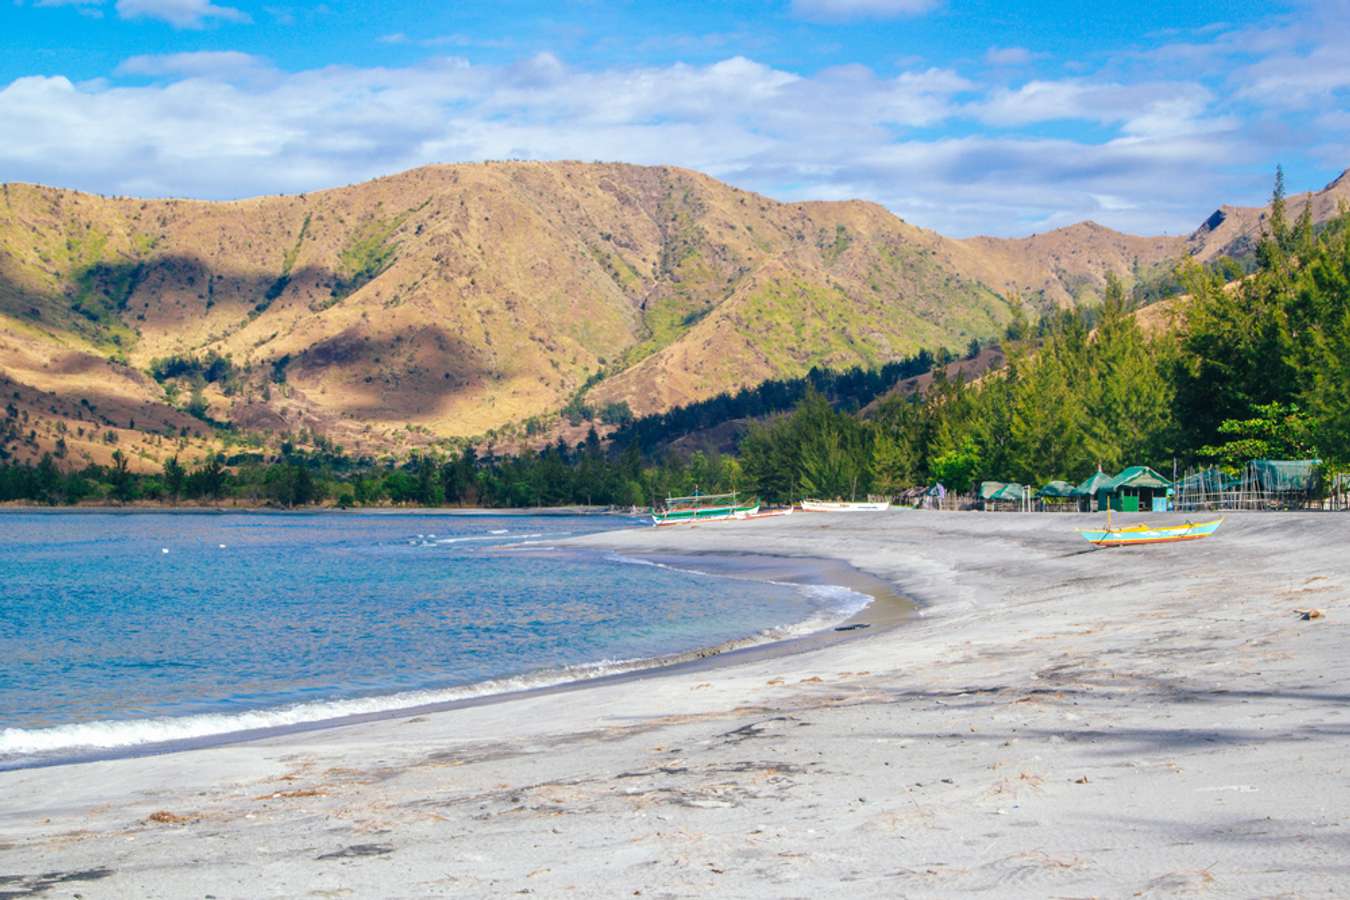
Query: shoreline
(883, 611)
(154, 508)
(1058, 721)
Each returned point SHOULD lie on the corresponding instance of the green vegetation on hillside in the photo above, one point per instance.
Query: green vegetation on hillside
(278, 287)
(1260, 368)
(369, 252)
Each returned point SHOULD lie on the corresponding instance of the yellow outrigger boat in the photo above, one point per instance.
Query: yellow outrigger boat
(1147, 534)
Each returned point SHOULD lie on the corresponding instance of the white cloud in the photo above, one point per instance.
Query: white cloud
(228, 125)
(180, 13)
(842, 10)
(89, 8)
(442, 40)
(1152, 108)
(1010, 56)
(223, 64)
(1297, 80)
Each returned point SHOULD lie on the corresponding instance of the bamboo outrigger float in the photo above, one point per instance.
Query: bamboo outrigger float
(1147, 534)
(703, 508)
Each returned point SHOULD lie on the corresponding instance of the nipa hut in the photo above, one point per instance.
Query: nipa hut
(1057, 496)
(1134, 489)
(1087, 491)
(1003, 495)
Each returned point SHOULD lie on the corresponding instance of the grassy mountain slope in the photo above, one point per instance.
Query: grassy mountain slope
(1235, 230)
(1067, 266)
(449, 301)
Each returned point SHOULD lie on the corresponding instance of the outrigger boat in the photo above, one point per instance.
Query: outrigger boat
(845, 505)
(703, 508)
(770, 513)
(1147, 534)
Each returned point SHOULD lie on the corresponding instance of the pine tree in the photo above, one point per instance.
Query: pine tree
(1132, 396)
(1279, 220)
(123, 487)
(174, 478)
(1048, 424)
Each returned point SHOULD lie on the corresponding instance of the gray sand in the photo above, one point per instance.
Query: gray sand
(1058, 721)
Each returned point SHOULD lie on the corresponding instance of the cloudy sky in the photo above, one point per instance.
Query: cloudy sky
(969, 116)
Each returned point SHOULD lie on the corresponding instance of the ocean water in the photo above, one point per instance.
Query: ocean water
(122, 630)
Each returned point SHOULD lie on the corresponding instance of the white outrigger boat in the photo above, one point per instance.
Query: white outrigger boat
(703, 508)
(845, 505)
(771, 513)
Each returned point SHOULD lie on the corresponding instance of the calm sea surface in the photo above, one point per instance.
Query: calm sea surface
(118, 630)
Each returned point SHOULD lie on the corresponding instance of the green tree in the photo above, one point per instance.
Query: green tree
(47, 480)
(1019, 328)
(959, 468)
(1276, 431)
(834, 464)
(209, 479)
(616, 413)
(175, 477)
(1133, 398)
(429, 490)
(894, 463)
(121, 480)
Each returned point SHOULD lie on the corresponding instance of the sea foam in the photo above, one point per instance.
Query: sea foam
(836, 605)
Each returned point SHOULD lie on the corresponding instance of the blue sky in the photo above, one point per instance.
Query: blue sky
(962, 115)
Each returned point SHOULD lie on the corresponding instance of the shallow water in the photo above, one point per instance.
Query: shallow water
(123, 629)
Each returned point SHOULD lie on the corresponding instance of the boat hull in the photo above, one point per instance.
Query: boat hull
(1143, 534)
(769, 513)
(704, 514)
(841, 506)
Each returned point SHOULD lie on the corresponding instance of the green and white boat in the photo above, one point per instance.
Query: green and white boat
(703, 508)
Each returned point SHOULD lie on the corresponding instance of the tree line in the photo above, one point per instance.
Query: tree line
(557, 475)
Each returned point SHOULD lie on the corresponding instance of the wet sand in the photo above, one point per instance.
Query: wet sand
(1056, 720)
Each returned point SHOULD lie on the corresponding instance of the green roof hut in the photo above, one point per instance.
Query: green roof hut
(1134, 489)
(1057, 496)
(1087, 491)
(1006, 495)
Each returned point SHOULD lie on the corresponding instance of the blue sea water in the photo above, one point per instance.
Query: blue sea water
(118, 630)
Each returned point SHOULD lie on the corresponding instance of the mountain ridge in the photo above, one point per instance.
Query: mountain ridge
(458, 300)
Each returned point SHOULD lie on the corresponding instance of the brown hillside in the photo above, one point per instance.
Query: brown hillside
(1062, 268)
(452, 301)
(969, 371)
(1235, 230)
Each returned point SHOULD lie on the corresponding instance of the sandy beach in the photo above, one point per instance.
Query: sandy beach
(1054, 721)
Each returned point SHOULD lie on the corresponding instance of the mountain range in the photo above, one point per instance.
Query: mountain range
(463, 301)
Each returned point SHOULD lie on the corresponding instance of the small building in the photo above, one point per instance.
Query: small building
(1057, 496)
(911, 496)
(1134, 489)
(1003, 495)
(1087, 492)
(934, 497)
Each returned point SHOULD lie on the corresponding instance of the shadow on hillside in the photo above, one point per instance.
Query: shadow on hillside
(405, 376)
(106, 294)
